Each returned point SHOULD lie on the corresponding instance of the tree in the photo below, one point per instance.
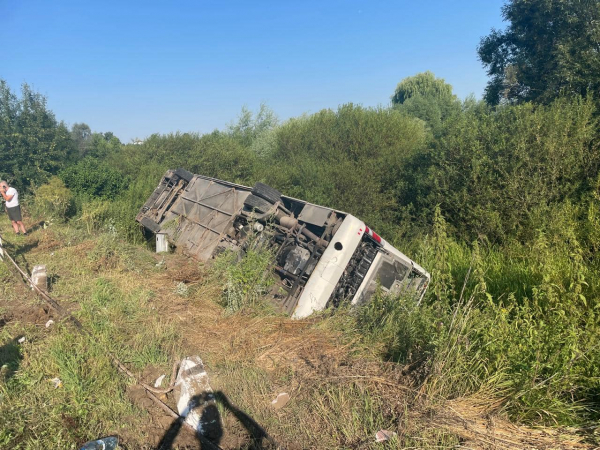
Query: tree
(82, 136)
(93, 178)
(422, 84)
(426, 97)
(250, 126)
(100, 145)
(550, 47)
(498, 170)
(33, 145)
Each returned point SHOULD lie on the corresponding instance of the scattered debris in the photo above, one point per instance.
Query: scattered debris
(21, 340)
(107, 443)
(195, 399)
(159, 381)
(384, 435)
(50, 322)
(39, 277)
(281, 400)
(57, 382)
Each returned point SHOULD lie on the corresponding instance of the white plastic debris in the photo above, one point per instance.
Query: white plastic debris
(159, 381)
(50, 322)
(39, 278)
(384, 435)
(281, 400)
(107, 443)
(21, 340)
(192, 382)
(56, 382)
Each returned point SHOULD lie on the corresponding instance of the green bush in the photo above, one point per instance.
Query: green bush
(53, 200)
(93, 178)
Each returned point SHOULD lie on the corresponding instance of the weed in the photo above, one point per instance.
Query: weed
(53, 200)
(245, 280)
(181, 289)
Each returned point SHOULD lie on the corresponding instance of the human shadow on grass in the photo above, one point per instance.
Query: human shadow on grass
(210, 419)
(35, 226)
(10, 357)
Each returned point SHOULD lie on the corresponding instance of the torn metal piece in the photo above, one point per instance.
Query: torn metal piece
(195, 399)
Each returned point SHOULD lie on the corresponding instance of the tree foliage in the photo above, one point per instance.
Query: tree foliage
(93, 178)
(494, 171)
(550, 47)
(351, 159)
(423, 84)
(53, 199)
(33, 145)
(426, 97)
(81, 134)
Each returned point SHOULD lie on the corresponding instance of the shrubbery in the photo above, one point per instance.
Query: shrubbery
(94, 179)
(53, 200)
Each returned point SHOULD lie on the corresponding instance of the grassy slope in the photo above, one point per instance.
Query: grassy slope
(134, 303)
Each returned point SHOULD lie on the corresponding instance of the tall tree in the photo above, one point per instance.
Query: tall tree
(426, 97)
(33, 145)
(82, 136)
(550, 47)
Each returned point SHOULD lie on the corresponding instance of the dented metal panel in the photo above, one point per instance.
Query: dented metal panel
(205, 211)
(315, 215)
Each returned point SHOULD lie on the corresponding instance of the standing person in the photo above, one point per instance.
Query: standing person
(11, 196)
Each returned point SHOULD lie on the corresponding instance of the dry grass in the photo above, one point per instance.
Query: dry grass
(477, 427)
(341, 393)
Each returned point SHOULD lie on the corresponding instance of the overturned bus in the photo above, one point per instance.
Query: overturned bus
(322, 256)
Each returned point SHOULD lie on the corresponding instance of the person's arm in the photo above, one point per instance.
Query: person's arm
(7, 198)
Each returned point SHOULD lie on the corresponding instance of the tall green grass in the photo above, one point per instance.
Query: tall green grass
(516, 325)
(245, 278)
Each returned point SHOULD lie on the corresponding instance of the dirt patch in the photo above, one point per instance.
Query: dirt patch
(158, 423)
(24, 307)
(49, 242)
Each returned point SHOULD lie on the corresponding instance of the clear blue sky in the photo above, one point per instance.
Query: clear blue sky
(142, 67)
